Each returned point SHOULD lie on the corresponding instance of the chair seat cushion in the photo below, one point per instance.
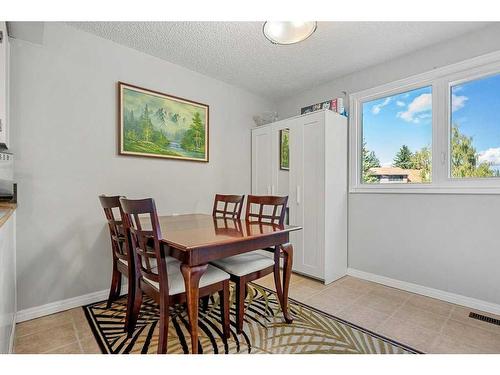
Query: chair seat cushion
(244, 264)
(176, 281)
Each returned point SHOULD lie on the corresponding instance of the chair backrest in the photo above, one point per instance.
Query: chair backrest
(233, 212)
(111, 205)
(265, 204)
(145, 244)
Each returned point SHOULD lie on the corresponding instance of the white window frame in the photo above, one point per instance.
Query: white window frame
(441, 80)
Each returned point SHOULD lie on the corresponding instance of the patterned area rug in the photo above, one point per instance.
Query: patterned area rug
(265, 331)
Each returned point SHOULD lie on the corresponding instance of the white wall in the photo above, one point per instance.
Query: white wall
(466, 46)
(446, 242)
(64, 119)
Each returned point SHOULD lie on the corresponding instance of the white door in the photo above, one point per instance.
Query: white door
(296, 214)
(261, 161)
(307, 190)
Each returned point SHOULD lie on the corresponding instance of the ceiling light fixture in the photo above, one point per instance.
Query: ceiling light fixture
(288, 32)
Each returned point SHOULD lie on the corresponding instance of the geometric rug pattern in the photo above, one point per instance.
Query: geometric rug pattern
(264, 330)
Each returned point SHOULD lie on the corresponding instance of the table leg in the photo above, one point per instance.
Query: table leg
(277, 278)
(287, 273)
(192, 276)
(282, 289)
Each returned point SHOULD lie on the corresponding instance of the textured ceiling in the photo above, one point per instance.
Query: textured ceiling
(238, 53)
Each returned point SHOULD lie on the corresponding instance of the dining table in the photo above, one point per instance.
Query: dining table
(197, 239)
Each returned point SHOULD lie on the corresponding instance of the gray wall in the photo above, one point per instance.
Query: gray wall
(63, 116)
(64, 129)
(447, 242)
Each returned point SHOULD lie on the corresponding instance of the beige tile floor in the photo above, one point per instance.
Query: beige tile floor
(64, 332)
(426, 324)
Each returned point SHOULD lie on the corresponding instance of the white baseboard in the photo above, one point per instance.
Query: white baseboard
(58, 306)
(70, 303)
(429, 292)
(54, 307)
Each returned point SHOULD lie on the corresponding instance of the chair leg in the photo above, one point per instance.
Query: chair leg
(164, 321)
(130, 302)
(136, 308)
(116, 284)
(240, 304)
(224, 309)
(204, 303)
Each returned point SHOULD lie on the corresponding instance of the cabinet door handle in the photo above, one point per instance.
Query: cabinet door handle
(298, 194)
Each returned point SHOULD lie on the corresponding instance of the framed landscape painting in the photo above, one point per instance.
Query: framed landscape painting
(163, 126)
(284, 149)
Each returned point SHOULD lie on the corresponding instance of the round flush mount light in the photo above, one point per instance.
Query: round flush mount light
(288, 32)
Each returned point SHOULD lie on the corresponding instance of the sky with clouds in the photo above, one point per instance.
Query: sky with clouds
(477, 115)
(406, 119)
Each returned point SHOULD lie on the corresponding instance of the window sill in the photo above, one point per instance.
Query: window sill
(476, 190)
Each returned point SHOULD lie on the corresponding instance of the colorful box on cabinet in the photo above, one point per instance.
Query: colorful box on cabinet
(335, 105)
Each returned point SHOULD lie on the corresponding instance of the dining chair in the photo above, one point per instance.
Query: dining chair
(158, 275)
(228, 211)
(227, 208)
(123, 264)
(251, 266)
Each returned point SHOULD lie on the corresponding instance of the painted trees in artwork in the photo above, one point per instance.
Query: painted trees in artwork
(130, 126)
(285, 150)
(146, 125)
(155, 125)
(194, 137)
(141, 134)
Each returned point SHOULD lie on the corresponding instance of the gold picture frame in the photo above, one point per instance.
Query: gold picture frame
(284, 149)
(154, 124)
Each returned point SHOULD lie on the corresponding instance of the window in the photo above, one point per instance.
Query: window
(397, 137)
(438, 132)
(475, 128)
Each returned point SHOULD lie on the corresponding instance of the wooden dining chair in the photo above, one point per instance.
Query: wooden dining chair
(251, 266)
(123, 264)
(232, 206)
(226, 207)
(158, 275)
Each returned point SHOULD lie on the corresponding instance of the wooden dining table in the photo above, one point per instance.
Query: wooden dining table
(197, 239)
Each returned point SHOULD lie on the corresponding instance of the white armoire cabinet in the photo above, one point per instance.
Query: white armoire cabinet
(316, 184)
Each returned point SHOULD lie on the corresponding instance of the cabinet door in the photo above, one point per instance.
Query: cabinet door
(296, 211)
(3, 82)
(261, 161)
(307, 190)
